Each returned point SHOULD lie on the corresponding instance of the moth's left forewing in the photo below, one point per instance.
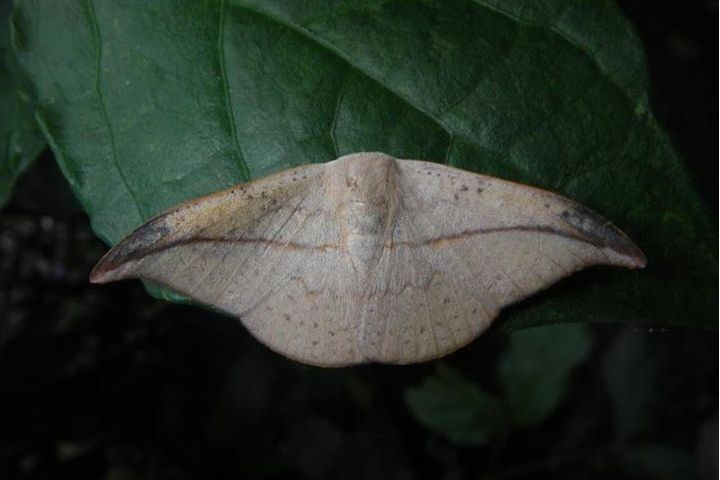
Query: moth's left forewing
(265, 252)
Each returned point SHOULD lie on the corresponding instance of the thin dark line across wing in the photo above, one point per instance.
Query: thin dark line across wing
(241, 240)
(437, 241)
(332, 247)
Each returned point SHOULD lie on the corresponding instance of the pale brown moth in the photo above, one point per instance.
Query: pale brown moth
(368, 258)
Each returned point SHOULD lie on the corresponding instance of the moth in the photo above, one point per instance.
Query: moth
(368, 258)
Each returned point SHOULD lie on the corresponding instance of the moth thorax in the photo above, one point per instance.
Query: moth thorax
(363, 230)
(364, 191)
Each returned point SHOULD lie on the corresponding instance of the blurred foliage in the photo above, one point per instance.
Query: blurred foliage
(533, 372)
(535, 368)
(630, 378)
(459, 409)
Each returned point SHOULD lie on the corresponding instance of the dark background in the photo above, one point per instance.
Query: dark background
(107, 382)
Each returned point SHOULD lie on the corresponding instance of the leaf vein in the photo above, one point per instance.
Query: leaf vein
(321, 42)
(103, 107)
(226, 92)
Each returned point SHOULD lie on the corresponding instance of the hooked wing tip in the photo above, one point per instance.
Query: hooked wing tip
(637, 256)
(633, 252)
(118, 262)
(109, 268)
(599, 231)
(97, 274)
(101, 273)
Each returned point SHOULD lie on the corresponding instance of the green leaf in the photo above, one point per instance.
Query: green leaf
(630, 376)
(147, 104)
(535, 369)
(452, 406)
(20, 140)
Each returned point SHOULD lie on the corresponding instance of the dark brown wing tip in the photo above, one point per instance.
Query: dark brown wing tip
(599, 231)
(116, 264)
(101, 272)
(109, 268)
(98, 273)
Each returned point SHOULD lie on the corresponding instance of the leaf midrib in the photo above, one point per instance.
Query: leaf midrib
(321, 42)
(106, 118)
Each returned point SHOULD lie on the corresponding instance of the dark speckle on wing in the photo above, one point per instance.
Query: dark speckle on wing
(593, 226)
